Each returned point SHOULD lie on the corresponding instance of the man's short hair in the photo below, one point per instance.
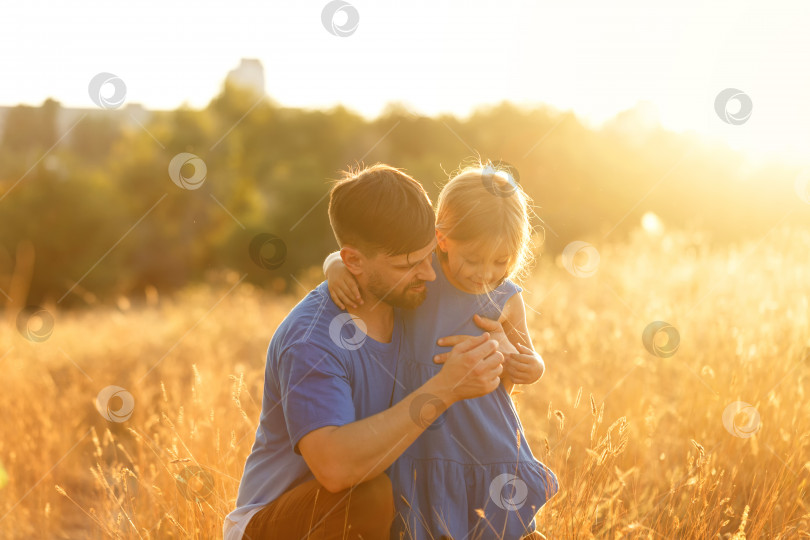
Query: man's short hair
(381, 209)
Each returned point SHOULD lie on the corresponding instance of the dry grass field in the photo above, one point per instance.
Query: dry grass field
(637, 440)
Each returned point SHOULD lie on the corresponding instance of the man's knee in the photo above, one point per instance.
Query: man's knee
(373, 501)
(376, 494)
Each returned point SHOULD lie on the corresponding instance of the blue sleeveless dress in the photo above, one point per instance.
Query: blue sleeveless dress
(468, 458)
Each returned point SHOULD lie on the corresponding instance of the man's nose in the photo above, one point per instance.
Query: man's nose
(425, 271)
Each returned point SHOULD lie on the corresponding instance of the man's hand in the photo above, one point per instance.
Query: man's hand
(493, 328)
(525, 367)
(471, 369)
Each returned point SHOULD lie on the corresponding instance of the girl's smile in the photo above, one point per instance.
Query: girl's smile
(471, 269)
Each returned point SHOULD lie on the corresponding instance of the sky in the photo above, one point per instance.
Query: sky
(592, 57)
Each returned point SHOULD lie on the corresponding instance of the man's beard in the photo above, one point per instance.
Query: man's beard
(405, 297)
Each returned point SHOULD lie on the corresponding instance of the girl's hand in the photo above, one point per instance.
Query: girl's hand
(495, 330)
(524, 367)
(342, 285)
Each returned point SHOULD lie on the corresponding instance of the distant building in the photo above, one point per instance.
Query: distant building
(249, 74)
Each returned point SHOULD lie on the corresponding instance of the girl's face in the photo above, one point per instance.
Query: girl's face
(471, 269)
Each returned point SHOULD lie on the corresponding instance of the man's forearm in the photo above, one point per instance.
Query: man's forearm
(369, 446)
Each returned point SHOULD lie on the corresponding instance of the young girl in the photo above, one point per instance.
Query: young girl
(471, 473)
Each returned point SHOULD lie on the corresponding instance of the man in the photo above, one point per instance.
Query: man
(328, 429)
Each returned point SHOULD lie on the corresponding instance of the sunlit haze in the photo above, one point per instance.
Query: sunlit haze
(593, 58)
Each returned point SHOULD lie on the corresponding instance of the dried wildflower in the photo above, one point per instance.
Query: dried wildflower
(560, 418)
(740, 534)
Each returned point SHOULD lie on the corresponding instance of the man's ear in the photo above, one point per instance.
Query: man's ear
(353, 259)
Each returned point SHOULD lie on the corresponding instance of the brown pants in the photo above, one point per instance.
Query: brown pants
(309, 511)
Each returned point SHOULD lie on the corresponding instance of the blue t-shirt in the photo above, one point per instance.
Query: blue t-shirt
(322, 370)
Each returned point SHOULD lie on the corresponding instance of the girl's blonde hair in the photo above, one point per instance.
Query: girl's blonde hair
(484, 205)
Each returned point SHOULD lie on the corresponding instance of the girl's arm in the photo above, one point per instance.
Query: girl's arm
(527, 366)
(341, 283)
(506, 379)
